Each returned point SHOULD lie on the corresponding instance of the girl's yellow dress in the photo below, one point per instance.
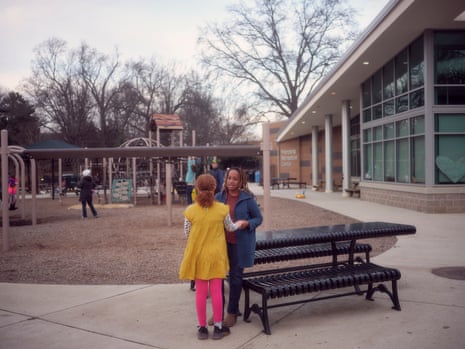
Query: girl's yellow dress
(205, 256)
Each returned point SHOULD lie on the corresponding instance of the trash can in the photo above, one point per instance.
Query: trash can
(257, 176)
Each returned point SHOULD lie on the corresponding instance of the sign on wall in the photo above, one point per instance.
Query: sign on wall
(121, 190)
(288, 156)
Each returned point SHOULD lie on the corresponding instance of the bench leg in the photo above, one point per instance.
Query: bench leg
(382, 288)
(261, 312)
(264, 315)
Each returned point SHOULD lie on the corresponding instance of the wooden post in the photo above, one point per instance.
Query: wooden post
(5, 213)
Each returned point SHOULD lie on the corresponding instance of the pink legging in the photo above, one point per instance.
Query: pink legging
(216, 296)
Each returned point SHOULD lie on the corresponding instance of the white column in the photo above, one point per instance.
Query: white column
(345, 122)
(315, 179)
(329, 153)
(266, 149)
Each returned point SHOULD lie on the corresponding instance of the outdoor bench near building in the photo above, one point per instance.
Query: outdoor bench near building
(347, 271)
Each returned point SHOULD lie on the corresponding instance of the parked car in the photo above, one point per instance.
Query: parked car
(71, 182)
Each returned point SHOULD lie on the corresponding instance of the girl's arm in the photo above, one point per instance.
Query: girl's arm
(230, 226)
(187, 226)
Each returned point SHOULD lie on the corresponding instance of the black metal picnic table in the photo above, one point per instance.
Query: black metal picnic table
(331, 233)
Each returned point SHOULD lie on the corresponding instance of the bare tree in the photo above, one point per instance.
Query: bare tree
(63, 101)
(172, 90)
(145, 79)
(100, 74)
(279, 48)
(198, 113)
(238, 125)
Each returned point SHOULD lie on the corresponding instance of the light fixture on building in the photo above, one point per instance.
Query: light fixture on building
(460, 17)
(366, 63)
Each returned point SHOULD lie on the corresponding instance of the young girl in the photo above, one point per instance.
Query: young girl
(205, 258)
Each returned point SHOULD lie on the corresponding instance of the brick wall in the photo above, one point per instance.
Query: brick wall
(427, 203)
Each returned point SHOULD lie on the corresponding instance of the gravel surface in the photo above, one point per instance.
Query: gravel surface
(125, 245)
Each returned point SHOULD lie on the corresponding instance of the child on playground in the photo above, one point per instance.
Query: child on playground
(205, 257)
(12, 189)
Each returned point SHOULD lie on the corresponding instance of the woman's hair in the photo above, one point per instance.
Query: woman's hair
(205, 187)
(242, 179)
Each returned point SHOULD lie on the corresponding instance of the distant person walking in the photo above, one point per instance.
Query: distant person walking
(218, 173)
(205, 258)
(87, 186)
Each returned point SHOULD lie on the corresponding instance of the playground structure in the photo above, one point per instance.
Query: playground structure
(168, 158)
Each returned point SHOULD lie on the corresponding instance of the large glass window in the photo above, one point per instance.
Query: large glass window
(417, 99)
(402, 128)
(355, 154)
(396, 151)
(417, 154)
(368, 162)
(377, 89)
(449, 67)
(449, 57)
(389, 161)
(366, 93)
(398, 86)
(416, 64)
(450, 148)
(388, 80)
(401, 69)
(402, 104)
(403, 156)
(378, 161)
(355, 157)
(417, 159)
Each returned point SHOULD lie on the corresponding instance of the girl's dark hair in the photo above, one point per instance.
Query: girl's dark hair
(205, 187)
(242, 176)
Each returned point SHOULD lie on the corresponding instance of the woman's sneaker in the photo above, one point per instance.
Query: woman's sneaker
(202, 333)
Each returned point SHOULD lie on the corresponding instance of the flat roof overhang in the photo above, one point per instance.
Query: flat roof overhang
(143, 152)
(397, 25)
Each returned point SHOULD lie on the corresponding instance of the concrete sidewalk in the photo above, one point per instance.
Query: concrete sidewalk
(163, 316)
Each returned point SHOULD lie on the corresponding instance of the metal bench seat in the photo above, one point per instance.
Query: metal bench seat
(347, 269)
(317, 280)
(263, 256)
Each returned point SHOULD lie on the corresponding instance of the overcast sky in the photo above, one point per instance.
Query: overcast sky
(166, 29)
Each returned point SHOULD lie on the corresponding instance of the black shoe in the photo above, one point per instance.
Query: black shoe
(218, 333)
(202, 333)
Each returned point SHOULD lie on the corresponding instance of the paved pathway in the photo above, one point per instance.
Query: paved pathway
(162, 316)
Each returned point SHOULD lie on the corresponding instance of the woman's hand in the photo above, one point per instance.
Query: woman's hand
(242, 224)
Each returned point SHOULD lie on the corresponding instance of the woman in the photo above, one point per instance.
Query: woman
(241, 243)
(87, 187)
(205, 258)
